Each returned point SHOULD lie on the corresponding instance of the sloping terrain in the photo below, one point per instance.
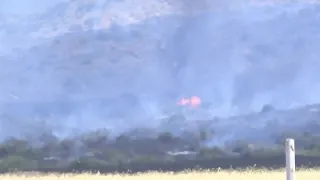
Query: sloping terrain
(83, 65)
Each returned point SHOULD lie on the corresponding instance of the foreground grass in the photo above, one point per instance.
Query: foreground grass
(309, 174)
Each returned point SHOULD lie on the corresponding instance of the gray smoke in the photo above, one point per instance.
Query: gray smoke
(85, 65)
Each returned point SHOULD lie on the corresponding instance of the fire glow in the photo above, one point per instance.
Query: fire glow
(192, 102)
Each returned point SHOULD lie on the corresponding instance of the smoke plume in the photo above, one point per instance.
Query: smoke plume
(83, 65)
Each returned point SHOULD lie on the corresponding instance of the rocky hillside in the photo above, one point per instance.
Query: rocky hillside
(88, 64)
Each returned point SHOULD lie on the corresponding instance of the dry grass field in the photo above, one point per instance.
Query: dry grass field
(309, 174)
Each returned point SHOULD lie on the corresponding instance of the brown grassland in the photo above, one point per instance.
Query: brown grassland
(305, 174)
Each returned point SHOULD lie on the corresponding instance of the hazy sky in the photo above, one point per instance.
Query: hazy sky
(25, 6)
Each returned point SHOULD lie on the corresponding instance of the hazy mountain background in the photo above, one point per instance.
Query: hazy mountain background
(74, 66)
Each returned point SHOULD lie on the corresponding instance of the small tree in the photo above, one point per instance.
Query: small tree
(165, 137)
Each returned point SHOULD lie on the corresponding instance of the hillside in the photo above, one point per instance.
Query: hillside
(119, 65)
(94, 85)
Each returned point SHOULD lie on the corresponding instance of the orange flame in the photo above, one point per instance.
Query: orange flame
(193, 102)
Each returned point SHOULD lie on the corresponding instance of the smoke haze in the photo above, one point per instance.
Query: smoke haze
(84, 65)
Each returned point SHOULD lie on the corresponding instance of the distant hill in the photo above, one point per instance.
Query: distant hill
(236, 56)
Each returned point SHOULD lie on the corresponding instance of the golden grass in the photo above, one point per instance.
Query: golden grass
(306, 174)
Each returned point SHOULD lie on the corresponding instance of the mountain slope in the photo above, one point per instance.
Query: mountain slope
(80, 53)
